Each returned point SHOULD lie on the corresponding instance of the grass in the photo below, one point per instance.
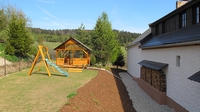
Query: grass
(71, 95)
(51, 45)
(96, 101)
(2, 46)
(11, 58)
(106, 67)
(39, 92)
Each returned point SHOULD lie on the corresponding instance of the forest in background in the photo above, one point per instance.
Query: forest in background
(21, 39)
(61, 35)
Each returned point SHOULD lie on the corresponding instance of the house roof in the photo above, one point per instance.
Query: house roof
(195, 77)
(152, 64)
(138, 39)
(174, 12)
(71, 38)
(185, 36)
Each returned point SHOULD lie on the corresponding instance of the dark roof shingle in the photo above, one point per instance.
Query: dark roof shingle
(195, 77)
(152, 64)
(188, 34)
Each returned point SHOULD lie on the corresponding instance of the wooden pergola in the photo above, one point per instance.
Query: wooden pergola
(72, 53)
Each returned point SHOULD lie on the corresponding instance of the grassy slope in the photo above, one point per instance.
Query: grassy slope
(50, 45)
(38, 92)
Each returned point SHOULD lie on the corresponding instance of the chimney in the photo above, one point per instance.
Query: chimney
(179, 3)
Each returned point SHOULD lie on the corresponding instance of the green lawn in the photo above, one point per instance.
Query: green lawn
(39, 92)
(51, 45)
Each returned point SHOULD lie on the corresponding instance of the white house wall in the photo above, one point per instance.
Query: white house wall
(133, 57)
(179, 88)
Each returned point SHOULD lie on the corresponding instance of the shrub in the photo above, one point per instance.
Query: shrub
(12, 58)
(93, 60)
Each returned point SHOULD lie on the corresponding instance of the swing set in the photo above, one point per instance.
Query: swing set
(43, 51)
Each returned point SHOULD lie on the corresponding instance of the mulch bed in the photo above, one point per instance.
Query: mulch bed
(104, 93)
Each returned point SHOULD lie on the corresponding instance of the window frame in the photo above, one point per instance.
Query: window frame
(183, 20)
(197, 15)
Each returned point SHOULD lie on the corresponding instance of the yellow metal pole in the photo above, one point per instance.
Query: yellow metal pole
(33, 65)
(43, 58)
(39, 65)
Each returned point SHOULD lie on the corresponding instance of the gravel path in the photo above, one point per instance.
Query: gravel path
(141, 101)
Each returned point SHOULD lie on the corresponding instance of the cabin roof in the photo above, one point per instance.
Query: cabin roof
(71, 38)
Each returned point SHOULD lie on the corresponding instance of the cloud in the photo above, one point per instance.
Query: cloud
(46, 1)
(53, 20)
(49, 14)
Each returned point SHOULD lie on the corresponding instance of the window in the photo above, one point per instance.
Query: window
(197, 14)
(183, 20)
(164, 27)
(178, 58)
(157, 30)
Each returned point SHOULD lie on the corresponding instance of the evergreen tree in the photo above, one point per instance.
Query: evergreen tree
(120, 60)
(19, 35)
(3, 24)
(104, 40)
(83, 35)
(92, 60)
(3, 20)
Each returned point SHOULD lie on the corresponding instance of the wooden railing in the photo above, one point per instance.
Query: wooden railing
(60, 61)
(80, 61)
(74, 61)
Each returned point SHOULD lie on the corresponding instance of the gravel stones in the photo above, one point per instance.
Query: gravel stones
(141, 101)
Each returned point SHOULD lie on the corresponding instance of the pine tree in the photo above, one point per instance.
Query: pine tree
(3, 20)
(3, 24)
(83, 36)
(120, 60)
(104, 40)
(19, 35)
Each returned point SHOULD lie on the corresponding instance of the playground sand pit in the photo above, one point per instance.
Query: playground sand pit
(105, 93)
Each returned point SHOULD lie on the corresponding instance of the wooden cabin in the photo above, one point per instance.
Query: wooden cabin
(72, 53)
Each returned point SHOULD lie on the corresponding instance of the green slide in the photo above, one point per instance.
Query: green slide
(54, 65)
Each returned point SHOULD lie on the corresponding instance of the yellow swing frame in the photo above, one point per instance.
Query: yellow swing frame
(43, 51)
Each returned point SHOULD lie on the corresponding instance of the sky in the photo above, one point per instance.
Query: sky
(127, 15)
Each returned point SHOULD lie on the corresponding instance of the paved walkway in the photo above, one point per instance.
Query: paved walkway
(141, 101)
